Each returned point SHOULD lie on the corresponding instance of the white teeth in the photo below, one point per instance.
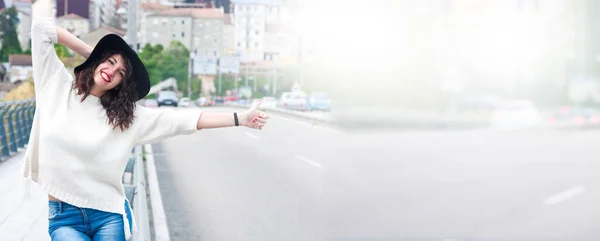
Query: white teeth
(105, 75)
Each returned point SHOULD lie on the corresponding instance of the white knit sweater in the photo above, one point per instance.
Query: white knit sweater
(73, 153)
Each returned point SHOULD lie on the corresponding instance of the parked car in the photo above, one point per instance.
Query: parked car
(184, 102)
(151, 103)
(230, 100)
(244, 101)
(516, 114)
(567, 116)
(269, 102)
(319, 101)
(294, 101)
(219, 100)
(167, 98)
(203, 101)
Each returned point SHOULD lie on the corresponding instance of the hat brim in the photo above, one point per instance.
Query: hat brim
(113, 42)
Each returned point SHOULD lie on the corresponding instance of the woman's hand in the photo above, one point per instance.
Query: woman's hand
(254, 118)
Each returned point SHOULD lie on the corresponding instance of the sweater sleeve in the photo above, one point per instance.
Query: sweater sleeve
(155, 124)
(44, 59)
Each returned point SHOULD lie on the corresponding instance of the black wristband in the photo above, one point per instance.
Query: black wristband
(237, 123)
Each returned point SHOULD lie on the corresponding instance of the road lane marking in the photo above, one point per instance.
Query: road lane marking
(296, 121)
(255, 137)
(329, 129)
(304, 159)
(565, 195)
(309, 124)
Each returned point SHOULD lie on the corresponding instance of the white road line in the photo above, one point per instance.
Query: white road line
(329, 129)
(297, 121)
(304, 159)
(307, 123)
(565, 195)
(255, 137)
(161, 228)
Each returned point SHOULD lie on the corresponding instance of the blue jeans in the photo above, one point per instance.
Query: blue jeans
(69, 223)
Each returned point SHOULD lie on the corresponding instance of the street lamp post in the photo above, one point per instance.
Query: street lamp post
(255, 83)
(236, 81)
(301, 58)
(246, 75)
(274, 73)
(220, 80)
(190, 70)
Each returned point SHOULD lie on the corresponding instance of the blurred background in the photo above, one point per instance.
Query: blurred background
(391, 120)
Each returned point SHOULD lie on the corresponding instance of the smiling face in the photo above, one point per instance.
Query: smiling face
(109, 74)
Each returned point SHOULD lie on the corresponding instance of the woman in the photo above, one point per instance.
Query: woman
(85, 127)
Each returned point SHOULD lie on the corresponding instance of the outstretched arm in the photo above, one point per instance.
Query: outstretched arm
(253, 118)
(153, 124)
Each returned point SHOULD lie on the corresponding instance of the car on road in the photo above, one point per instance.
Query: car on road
(267, 102)
(203, 101)
(184, 102)
(151, 103)
(568, 116)
(228, 100)
(294, 101)
(219, 100)
(242, 101)
(319, 102)
(515, 114)
(167, 98)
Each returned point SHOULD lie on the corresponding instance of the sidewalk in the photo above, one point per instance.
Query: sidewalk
(21, 221)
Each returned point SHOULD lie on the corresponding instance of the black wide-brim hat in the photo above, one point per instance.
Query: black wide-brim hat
(113, 42)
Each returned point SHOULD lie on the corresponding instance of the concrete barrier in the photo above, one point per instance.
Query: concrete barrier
(382, 118)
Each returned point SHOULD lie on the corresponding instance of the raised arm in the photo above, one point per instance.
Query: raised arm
(44, 34)
(72, 42)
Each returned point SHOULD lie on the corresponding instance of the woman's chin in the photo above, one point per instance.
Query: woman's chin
(101, 82)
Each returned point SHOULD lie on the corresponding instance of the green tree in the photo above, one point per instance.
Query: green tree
(174, 63)
(151, 56)
(171, 62)
(149, 51)
(62, 51)
(10, 41)
(28, 51)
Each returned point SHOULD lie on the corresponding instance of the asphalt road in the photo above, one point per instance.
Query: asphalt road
(299, 181)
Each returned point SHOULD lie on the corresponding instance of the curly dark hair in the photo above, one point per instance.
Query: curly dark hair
(119, 102)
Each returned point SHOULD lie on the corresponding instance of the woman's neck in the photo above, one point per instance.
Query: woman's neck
(96, 92)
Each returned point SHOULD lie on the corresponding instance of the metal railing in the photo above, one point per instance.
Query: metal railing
(134, 182)
(17, 119)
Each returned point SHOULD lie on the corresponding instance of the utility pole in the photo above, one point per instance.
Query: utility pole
(236, 82)
(220, 80)
(300, 59)
(255, 77)
(190, 70)
(274, 81)
(66, 8)
(132, 23)
(246, 74)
